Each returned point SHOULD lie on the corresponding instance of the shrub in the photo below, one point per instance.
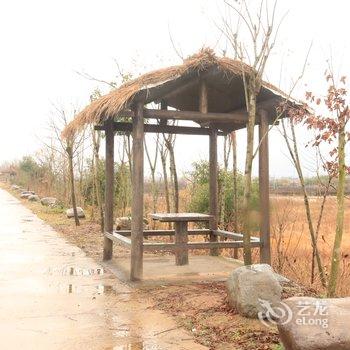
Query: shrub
(199, 192)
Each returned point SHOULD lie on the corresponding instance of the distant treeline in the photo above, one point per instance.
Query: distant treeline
(314, 186)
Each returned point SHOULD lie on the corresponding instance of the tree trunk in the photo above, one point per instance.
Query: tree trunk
(163, 158)
(72, 186)
(235, 190)
(223, 187)
(294, 153)
(247, 254)
(153, 166)
(173, 175)
(336, 254)
(324, 198)
(97, 182)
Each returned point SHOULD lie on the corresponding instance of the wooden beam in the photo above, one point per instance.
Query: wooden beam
(156, 93)
(234, 235)
(233, 117)
(265, 250)
(179, 90)
(197, 245)
(238, 116)
(155, 233)
(193, 116)
(109, 190)
(166, 129)
(136, 269)
(124, 241)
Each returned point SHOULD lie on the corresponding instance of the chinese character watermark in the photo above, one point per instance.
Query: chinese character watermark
(309, 313)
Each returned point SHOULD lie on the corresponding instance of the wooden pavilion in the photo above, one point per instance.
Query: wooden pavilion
(209, 91)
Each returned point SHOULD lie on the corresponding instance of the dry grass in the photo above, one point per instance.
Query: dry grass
(297, 243)
(288, 221)
(111, 104)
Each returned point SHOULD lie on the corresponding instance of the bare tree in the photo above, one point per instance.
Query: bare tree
(331, 129)
(169, 140)
(292, 145)
(223, 187)
(153, 167)
(68, 147)
(262, 34)
(235, 185)
(96, 141)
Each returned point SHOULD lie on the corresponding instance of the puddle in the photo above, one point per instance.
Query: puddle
(74, 271)
(93, 290)
(133, 346)
(137, 345)
(27, 219)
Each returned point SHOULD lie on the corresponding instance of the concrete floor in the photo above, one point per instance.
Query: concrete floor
(162, 269)
(54, 297)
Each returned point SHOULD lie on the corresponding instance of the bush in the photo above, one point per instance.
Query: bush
(199, 192)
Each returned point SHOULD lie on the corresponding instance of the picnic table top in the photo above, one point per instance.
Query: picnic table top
(174, 217)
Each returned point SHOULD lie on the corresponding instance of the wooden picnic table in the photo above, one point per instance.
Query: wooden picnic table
(181, 221)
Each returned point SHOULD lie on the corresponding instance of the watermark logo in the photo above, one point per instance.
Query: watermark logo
(307, 313)
(271, 315)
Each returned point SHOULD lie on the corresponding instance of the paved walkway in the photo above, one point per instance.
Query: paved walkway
(54, 297)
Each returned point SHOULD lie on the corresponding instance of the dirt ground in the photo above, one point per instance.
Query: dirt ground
(200, 308)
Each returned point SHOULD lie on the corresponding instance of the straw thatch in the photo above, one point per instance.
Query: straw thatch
(109, 105)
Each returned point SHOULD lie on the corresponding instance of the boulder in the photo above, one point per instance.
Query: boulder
(70, 213)
(124, 223)
(315, 324)
(26, 194)
(34, 198)
(267, 267)
(249, 287)
(48, 201)
(15, 187)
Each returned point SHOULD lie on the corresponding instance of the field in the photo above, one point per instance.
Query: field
(293, 256)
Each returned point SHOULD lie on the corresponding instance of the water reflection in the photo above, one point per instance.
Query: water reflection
(74, 271)
(100, 289)
(132, 346)
(139, 345)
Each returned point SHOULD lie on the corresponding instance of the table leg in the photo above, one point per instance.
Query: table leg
(181, 240)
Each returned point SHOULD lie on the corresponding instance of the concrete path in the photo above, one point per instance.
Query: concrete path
(54, 297)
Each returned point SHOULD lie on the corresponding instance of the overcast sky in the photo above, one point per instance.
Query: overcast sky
(45, 43)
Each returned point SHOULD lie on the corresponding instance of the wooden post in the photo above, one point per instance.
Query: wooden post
(265, 249)
(213, 187)
(136, 269)
(109, 192)
(181, 240)
(213, 167)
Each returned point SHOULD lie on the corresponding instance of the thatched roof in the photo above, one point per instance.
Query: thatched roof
(223, 76)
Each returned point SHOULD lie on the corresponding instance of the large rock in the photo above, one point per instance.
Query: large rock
(124, 223)
(267, 267)
(315, 324)
(249, 287)
(15, 187)
(70, 213)
(49, 201)
(26, 194)
(34, 198)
